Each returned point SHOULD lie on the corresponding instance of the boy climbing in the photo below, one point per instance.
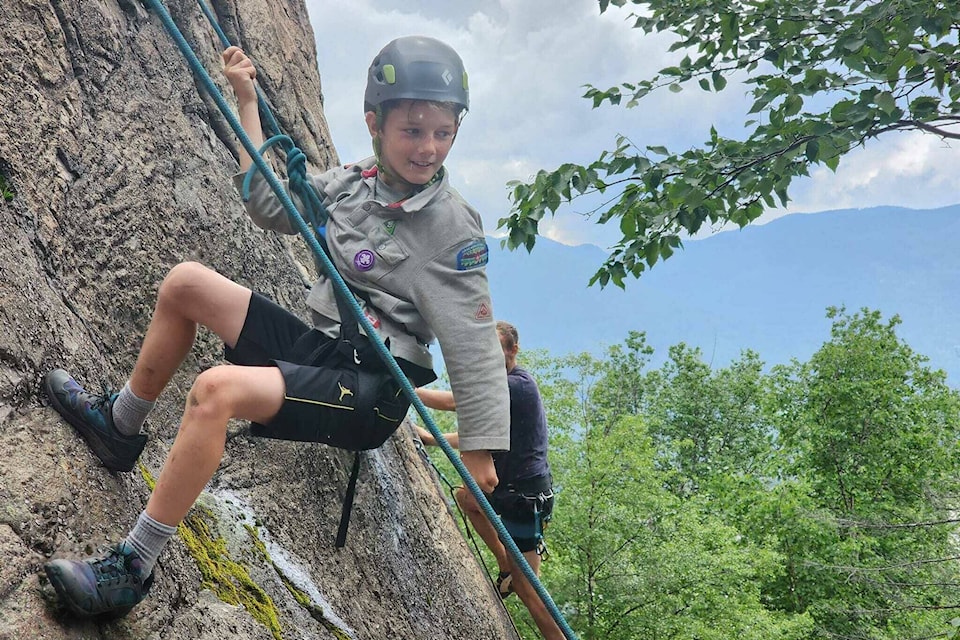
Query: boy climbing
(410, 248)
(524, 496)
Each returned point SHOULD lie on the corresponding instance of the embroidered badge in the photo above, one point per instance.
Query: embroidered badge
(390, 226)
(364, 259)
(472, 256)
(483, 311)
(372, 317)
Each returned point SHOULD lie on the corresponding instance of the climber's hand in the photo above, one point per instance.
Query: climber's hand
(480, 466)
(241, 73)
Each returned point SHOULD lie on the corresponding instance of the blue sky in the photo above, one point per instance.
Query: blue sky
(528, 61)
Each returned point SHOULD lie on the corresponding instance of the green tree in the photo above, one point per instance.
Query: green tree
(865, 505)
(826, 76)
(620, 386)
(630, 558)
(708, 424)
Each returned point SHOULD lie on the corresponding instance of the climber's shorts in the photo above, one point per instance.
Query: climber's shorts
(327, 398)
(525, 507)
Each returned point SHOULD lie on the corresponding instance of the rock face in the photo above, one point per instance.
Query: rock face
(116, 168)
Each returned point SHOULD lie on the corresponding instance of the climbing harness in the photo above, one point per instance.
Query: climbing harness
(312, 238)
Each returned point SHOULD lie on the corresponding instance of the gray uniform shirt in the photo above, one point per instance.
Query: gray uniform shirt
(420, 262)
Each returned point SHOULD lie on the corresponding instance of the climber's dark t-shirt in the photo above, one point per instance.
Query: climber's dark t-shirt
(527, 457)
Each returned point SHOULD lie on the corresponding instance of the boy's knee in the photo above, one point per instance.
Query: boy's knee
(210, 396)
(466, 500)
(180, 281)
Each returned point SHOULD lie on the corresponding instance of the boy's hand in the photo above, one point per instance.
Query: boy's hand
(425, 436)
(240, 73)
(480, 466)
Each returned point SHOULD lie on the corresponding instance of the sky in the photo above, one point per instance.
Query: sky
(528, 62)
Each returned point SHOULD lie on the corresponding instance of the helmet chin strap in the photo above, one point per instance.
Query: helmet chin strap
(386, 174)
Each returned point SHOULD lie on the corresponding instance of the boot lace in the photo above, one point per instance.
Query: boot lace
(114, 568)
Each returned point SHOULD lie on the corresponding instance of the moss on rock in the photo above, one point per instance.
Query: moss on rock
(224, 576)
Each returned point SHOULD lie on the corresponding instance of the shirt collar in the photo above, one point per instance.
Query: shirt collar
(416, 202)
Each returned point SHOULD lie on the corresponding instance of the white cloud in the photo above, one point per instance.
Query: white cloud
(528, 61)
(913, 169)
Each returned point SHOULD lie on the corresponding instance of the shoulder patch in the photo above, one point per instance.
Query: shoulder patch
(473, 255)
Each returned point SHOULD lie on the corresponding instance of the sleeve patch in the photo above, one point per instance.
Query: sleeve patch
(473, 255)
(483, 311)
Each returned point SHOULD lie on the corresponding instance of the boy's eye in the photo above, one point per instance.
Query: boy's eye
(443, 135)
(412, 132)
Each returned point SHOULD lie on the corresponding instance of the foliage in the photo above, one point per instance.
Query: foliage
(708, 423)
(869, 486)
(630, 558)
(826, 76)
(6, 191)
(814, 500)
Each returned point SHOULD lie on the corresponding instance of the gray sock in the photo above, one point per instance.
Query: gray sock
(130, 411)
(148, 537)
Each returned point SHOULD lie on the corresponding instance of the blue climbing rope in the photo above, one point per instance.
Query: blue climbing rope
(310, 236)
(265, 113)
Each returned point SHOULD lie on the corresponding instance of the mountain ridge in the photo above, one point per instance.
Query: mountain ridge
(764, 287)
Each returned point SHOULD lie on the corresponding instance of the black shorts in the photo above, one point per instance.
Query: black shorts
(327, 398)
(524, 508)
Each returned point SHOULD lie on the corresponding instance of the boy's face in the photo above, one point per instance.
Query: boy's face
(415, 140)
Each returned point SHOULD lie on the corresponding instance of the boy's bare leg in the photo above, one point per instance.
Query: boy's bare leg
(531, 599)
(193, 295)
(190, 295)
(538, 611)
(486, 530)
(220, 393)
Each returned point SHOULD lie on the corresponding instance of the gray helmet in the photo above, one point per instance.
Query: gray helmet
(417, 68)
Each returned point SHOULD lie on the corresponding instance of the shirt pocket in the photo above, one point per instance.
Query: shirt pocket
(391, 252)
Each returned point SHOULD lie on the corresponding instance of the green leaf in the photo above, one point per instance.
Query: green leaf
(792, 105)
(651, 253)
(719, 82)
(652, 179)
(924, 107)
(886, 102)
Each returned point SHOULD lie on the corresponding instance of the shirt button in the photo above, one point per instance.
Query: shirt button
(367, 206)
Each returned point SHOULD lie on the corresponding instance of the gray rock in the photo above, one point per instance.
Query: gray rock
(118, 168)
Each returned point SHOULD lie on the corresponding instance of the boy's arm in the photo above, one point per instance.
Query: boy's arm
(427, 438)
(241, 73)
(453, 296)
(437, 399)
(262, 206)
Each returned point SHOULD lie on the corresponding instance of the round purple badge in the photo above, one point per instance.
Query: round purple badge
(363, 261)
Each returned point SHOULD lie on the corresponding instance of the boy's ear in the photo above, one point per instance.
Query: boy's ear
(371, 119)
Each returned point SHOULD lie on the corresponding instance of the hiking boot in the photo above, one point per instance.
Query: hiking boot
(92, 416)
(109, 586)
